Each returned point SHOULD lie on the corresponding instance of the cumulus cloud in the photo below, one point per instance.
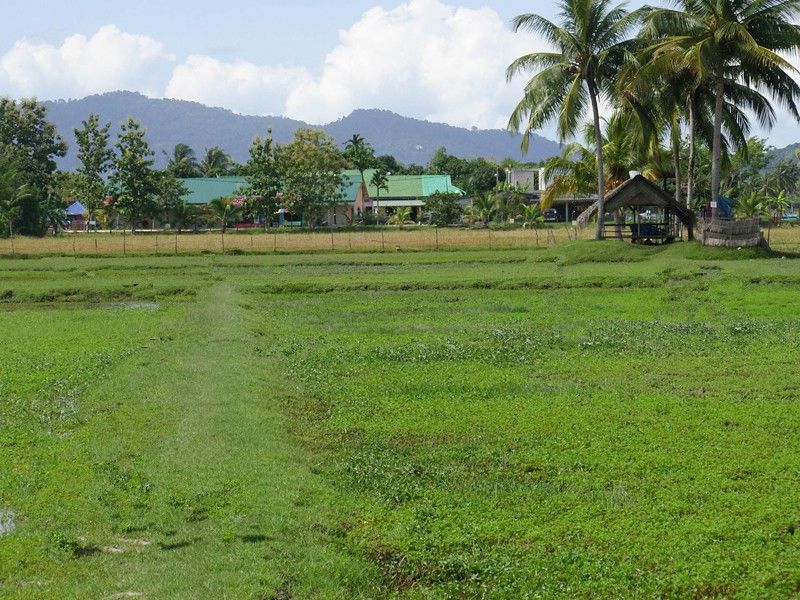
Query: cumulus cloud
(242, 86)
(423, 58)
(110, 59)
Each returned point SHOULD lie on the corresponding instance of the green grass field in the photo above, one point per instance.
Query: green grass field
(590, 420)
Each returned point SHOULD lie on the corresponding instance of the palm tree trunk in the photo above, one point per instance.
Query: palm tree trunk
(692, 153)
(676, 158)
(601, 176)
(716, 162)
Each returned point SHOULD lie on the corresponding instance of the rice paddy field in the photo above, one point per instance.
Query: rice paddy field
(586, 420)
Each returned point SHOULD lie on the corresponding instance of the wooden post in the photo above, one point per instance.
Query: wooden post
(332, 243)
(223, 241)
(156, 243)
(350, 239)
(274, 242)
(74, 250)
(124, 244)
(95, 245)
(176, 243)
(11, 237)
(383, 242)
(436, 233)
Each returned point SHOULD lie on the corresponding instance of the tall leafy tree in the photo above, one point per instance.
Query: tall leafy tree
(263, 175)
(13, 190)
(592, 43)
(183, 162)
(96, 159)
(134, 178)
(312, 168)
(742, 41)
(32, 143)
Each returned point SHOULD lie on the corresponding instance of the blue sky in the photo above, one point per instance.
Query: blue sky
(317, 60)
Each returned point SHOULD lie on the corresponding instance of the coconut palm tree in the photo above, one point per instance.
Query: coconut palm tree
(226, 210)
(591, 44)
(724, 41)
(182, 162)
(215, 162)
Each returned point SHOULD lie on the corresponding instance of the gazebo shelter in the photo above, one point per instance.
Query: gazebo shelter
(647, 214)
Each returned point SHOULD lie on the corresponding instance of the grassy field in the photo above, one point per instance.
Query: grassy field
(587, 420)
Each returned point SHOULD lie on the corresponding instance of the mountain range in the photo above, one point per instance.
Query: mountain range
(170, 122)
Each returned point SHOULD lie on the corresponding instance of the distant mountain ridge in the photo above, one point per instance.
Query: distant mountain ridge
(169, 122)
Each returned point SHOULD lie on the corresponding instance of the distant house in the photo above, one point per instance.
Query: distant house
(75, 214)
(403, 191)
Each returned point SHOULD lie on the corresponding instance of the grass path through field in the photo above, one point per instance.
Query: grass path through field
(191, 486)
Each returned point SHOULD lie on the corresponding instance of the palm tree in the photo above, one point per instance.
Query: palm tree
(360, 153)
(183, 162)
(400, 216)
(226, 210)
(215, 162)
(483, 208)
(532, 216)
(380, 181)
(733, 41)
(592, 44)
(181, 213)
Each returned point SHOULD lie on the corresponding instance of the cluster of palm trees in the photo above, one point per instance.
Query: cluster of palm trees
(704, 68)
(506, 204)
(183, 162)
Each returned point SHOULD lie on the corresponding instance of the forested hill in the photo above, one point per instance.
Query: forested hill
(172, 121)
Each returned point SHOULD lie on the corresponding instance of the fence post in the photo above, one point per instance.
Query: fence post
(74, 250)
(223, 241)
(436, 234)
(124, 243)
(274, 242)
(95, 245)
(383, 242)
(156, 243)
(176, 243)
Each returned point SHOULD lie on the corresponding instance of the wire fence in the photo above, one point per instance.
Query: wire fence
(782, 239)
(369, 240)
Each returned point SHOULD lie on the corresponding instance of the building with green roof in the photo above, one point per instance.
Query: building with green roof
(202, 190)
(403, 191)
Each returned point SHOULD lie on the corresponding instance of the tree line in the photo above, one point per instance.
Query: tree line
(117, 179)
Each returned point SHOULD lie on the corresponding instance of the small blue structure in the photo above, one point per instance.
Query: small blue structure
(74, 213)
(76, 209)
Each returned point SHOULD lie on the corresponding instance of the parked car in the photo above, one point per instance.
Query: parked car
(551, 215)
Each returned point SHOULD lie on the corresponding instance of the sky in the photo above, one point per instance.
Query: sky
(314, 60)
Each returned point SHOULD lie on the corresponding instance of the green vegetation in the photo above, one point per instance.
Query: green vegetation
(591, 420)
(703, 65)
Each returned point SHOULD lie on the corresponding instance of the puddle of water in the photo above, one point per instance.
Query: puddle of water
(7, 524)
(140, 305)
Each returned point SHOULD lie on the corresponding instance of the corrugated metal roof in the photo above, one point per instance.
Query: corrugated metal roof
(400, 186)
(76, 209)
(203, 190)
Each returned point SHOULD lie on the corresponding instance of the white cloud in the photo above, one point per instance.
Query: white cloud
(110, 59)
(241, 86)
(423, 58)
